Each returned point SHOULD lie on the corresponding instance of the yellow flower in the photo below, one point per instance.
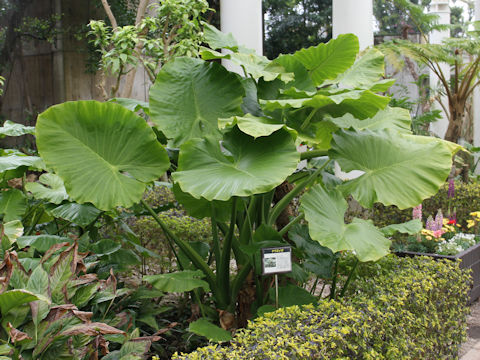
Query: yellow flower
(427, 232)
(470, 223)
(458, 225)
(428, 237)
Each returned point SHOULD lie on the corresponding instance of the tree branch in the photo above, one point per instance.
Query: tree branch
(110, 15)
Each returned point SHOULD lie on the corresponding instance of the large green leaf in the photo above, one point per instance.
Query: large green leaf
(50, 187)
(302, 80)
(179, 281)
(400, 169)
(10, 128)
(360, 103)
(316, 258)
(190, 95)
(38, 281)
(327, 61)
(389, 118)
(13, 230)
(15, 161)
(365, 71)
(248, 166)
(41, 243)
(212, 332)
(80, 214)
(201, 208)
(410, 227)
(104, 153)
(325, 210)
(252, 125)
(290, 295)
(12, 204)
(13, 298)
(254, 65)
(217, 39)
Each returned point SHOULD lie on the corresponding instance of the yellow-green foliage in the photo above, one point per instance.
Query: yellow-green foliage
(466, 200)
(403, 309)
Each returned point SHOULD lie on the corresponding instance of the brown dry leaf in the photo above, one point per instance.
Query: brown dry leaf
(155, 337)
(125, 318)
(53, 249)
(92, 329)
(85, 316)
(56, 312)
(17, 335)
(112, 281)
(6, 270)
(84, 279)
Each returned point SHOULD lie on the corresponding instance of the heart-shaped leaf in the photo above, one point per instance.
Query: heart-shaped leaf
(80, 214)
(104, 153)
(50, 187)
(248, 166)
(400, 169)
(190, 95)
(327, 61)
(325, 210)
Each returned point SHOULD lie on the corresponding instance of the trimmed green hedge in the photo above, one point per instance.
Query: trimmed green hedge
(399, 308)
(466, 200)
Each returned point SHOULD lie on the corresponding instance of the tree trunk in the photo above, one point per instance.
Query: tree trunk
(455, 125)
(130, 77)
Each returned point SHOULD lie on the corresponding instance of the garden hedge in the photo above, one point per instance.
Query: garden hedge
(398, 308)
(466, 200)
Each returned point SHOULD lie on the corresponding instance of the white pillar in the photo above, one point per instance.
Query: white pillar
(244, 19)
(442, 9)
(356, 17)
(476, 98)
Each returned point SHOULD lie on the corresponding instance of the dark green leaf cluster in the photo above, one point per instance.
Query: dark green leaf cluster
(400, 308)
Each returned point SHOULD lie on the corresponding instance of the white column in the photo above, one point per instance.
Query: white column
(476, 98)
(244, 19)
(442, 9)
(356, 17)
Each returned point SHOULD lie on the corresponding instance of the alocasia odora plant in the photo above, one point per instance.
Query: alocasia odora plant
(236, 138)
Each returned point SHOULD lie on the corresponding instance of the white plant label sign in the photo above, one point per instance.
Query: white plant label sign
(276, 260)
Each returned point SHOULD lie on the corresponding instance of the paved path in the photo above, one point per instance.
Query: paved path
(470, 349)
(473, 353)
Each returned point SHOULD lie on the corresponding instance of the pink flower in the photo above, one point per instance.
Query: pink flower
(417, 212)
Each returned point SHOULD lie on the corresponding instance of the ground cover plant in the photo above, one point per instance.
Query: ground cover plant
(398, 308)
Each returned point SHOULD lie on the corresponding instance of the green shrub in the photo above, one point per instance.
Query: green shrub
(398, 308)
(466, 200)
